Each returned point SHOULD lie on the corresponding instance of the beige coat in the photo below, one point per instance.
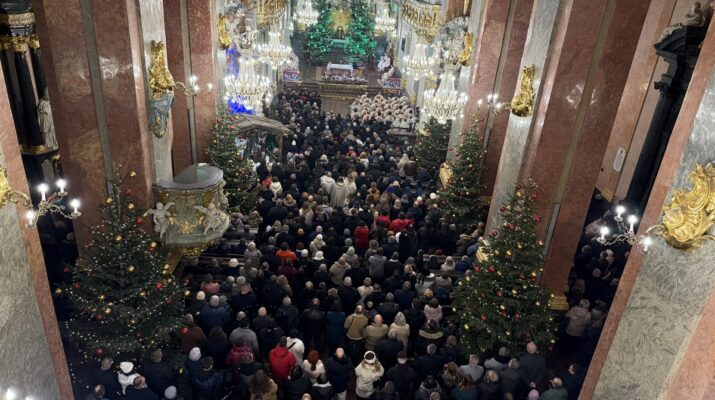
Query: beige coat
(355, 326)
(374, 334)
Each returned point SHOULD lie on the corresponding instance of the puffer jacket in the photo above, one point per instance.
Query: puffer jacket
(366, 375)
(579, 319)
(282, 362)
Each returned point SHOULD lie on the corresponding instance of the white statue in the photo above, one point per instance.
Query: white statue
(696, 16)
(212, 217)
(390, 72)
(384, 62)
(160, 216)
(44, 118)
(223, 200)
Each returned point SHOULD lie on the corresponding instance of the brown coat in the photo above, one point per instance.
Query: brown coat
(190, 336)
(355, 326)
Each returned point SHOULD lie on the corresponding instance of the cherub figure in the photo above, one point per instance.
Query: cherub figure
(160, 217)
(212, 217)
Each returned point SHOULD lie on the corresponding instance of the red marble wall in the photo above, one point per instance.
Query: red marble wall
(17, 180)
(696, 371)
(202, 41)
(181, 147)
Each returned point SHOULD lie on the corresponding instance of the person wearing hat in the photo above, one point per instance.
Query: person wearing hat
(190, 335)
(367, 373)
(126, 375)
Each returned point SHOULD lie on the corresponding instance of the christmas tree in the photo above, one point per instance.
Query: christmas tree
(360, 38)
(124, 298)
(225, 152)
(460, 197)
(431, 146)
(318, 38)
(498, 303)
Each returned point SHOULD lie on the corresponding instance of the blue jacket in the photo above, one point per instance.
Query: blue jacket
(212, 317)
(334, 326)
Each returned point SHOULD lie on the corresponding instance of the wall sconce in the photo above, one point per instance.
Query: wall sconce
(49, 204)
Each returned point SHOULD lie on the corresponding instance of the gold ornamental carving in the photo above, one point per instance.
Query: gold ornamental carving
(465, 57)
(224, 39)
(8, 195)
(33, 41)
(269, 11)
(690, 214)
(160, 79)
(522, 104)
(17, 20)
(423, 18)
(17, 44)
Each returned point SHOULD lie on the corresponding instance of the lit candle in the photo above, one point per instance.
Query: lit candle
(10, 394)
(192, 80)
(632, 220)
(647, 242)
(619, 211)
(75, 206)
(210, 86)
(30, 215)
(43, 188)
(604, 232)
(61, 184)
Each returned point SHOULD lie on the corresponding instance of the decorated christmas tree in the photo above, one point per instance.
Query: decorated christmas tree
(499, 303)
(226, 150)
(124, 298)
(360, 38)
(318, 38)
(460, 197)
(431, 146)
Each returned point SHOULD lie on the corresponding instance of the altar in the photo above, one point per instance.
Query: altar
(339, 69)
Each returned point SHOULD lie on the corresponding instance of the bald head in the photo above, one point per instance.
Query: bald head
(262, 312)
(378, 319)
(531, 348)
(557, 383)
(339, 352)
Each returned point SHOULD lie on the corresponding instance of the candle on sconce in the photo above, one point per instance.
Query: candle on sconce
(43, 188)
(604, 231)
(30, 215)
(61, 184)
(619, 211)
(75, 206)
(647, 242)
(632, 221)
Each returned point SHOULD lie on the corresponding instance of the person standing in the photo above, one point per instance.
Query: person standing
(367, 373)
(337, 369)
(355, 325)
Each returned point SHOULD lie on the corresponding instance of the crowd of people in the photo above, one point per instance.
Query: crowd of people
(343, 291)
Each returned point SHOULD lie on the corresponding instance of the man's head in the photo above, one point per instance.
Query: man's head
(531, 348)
(262, 312)
(473, 360)
(378, 320)
(214, 301)
(139, 382)
(556, 383)
(339, 352)
(156, 356)
(402, 357)
(514, 364)
(98, 391)
(207, 363)
(432, 349)
(106, 363)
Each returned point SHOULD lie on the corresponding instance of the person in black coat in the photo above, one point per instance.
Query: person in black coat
(489, 389)
(402, 376)
(288, 316)
(296, 385)
(139, 390)
(107, 377)
(322, 389)
(207, 382)
(511, 380)
(159, 373)
(573, 381)
(217, 347)
(338, 369)
(387, 350)
(533, 365)
(428, 364)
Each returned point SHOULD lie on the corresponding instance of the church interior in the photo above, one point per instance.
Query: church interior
(357, 199)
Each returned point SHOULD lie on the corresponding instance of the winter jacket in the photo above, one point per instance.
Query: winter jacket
(366, 375)
(213, 317)
(555, 394)
(322, 392)
(361, 237)
(282, 362)
(207, 384)
(355, 327)
(237, 353)
(433, 313)
(579, 319)
(464, 394)
(159, 376)
(190, 336)
(403, 377)
(271, 394)
(334, 327)
(294, 389)
(374, 334)
(338, 372)
(248, 337)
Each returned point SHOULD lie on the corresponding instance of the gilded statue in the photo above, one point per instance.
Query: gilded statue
(160, 79)
(690, 214)
(523, 103)
(224, 39)
(465, 57)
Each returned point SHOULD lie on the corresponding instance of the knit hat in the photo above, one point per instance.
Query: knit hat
(233, 263)
(318, 256)
(369, 357)
(195, 354)
(170, 393)
(126, 366)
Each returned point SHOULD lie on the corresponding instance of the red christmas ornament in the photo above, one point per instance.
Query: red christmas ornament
(534, 195)
(184, 330)
(99, 317)
(502, 209)
(500, 293)
(478, 269)
(517, 316)
(522, 276)
(99, 351)
(159, 286)
(187, 282)
(510, 226)
(537, 218)
(128, 191)
(483, 317)
(138, 334)
(139, 220)
(494, 234)
(491, 268)
(76, 285)
(167, 300)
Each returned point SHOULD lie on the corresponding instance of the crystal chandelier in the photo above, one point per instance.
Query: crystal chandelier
(418, 65)
(274, 53)
(304, 15)
(445, 102)
(248, 88)
(384, 23)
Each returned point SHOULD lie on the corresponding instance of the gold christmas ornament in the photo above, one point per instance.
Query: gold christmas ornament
(107, 311)
(109, 200)
(466, 327)
(187, 293)
(130, 206)
(152, 245)
(508, 253)
(101, 297)
(142, 294)
(58, 291)
(118, 238)
(131, 268)
(518, 194)
(132, 322)
(132, 173)
(537, 303)
(541, 242)
(167, 266)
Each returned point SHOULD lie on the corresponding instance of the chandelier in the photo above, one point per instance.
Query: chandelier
(445, 102)
(418, 65)
(383, 21)
(304, 15)
(269, 11)
(248, 88)
(623, 234)
(49, 204)
(274, 53)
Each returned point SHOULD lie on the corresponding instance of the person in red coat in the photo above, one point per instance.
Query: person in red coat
(282, 361)
(361, 237)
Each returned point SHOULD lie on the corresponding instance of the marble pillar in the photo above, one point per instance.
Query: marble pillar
(516, 137)
(497, 63)
(32, 359)
(177, 53)
(202, 20)
(657, 341)
(589, 64)
(151, 15)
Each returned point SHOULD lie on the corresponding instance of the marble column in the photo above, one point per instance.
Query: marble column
(497, 59)
(179, 62)
(516, 137)
(32, 359)
(588, 66)
(93, 64)
(657, 341)
(202, 20)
